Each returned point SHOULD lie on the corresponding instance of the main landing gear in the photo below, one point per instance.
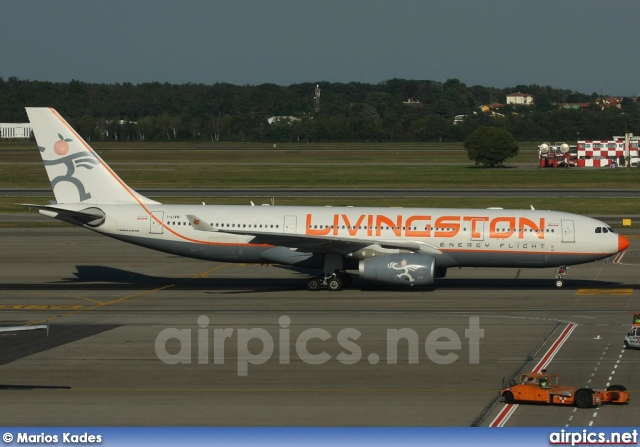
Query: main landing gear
(334, 277)
(334, 282)
(560, 272)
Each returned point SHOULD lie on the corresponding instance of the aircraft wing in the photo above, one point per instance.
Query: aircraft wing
(318, 244)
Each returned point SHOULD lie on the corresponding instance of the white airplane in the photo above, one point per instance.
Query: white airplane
(391, 246)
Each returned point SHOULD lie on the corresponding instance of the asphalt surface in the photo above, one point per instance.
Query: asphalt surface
(118, 314)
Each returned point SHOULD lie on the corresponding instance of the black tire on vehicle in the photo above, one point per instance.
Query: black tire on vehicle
(626, 344)
(583, 399)
(617, 388)
(508, 397)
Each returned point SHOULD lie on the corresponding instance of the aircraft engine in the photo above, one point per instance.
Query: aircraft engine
(402, 269)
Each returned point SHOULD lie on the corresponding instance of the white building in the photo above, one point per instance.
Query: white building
(522, 99)
(15, 130)
(283, 119)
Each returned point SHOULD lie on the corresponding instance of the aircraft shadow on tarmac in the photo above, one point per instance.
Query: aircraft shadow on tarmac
(112, 278)
(103, 277)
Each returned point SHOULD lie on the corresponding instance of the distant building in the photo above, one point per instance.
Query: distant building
(458, 119)
(603, 103)
(573, 105)
(518, 98)
(413, 102)
(494, 106)
(15, 130)
(282, 119)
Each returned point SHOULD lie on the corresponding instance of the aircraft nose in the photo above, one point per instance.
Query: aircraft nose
(623, 243)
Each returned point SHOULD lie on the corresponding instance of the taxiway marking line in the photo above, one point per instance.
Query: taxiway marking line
(39, 307)
(97, 306)
(509, 409)
(118, 300)
(604, 291)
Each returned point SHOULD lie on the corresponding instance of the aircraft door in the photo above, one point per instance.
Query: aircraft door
(568, 234)
(155, 223)
(290, 223)
(477, 229)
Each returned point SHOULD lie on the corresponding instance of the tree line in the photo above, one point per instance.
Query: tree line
(347, 112)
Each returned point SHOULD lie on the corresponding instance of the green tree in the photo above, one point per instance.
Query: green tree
(490, 146)
(280, 132)
(144, 127)
(86, 127)
(348, 112)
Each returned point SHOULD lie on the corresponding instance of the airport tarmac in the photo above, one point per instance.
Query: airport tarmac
(264, 351)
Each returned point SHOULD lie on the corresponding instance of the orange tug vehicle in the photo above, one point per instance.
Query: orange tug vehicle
(537, 388)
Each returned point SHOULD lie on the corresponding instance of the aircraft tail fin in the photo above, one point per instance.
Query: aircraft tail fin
(76, 172)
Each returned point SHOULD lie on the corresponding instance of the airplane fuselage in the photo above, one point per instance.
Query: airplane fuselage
(458, 237)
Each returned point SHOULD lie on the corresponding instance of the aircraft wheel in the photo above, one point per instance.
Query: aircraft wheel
(313, 284)
(559, 283)
(334, 284)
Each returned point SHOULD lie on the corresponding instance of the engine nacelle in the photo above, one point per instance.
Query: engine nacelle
(410, 269)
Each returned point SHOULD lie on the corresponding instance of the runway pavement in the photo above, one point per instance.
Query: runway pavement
(119, 314)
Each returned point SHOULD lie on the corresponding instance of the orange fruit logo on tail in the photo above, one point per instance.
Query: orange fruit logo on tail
(62, 145)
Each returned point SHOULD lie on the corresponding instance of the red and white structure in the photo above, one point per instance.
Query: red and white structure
(597, 153)
(558, 154)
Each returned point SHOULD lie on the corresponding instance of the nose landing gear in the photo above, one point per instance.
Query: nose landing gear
(560, 272)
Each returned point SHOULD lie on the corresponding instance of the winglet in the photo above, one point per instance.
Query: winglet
(199, 224)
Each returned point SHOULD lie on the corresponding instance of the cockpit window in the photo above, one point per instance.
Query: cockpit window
(599, 230)
(610, 230)
(604, 230)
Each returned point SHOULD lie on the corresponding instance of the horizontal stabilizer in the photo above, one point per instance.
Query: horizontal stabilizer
(92, 216)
